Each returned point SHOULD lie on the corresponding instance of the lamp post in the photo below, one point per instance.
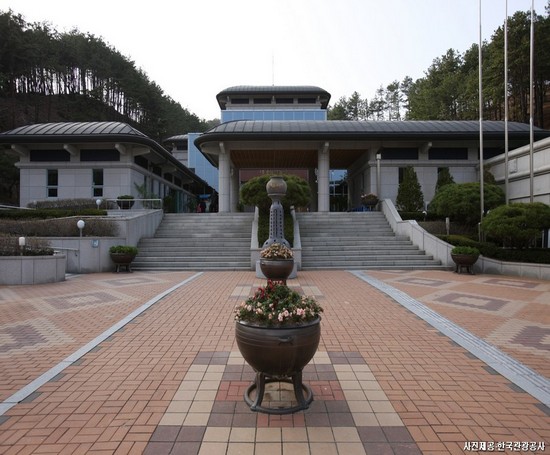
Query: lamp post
(22, 242)
(98, 203)
(80, 225)
(378, 183)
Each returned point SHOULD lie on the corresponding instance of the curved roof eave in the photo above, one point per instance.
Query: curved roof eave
(90, 132)
(274, 90)
(243, 130)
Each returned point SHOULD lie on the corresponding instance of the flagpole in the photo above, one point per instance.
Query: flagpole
(482, 204)
(531, 102)
(506, 146)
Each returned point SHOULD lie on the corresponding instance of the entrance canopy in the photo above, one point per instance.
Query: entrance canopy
(325, 145)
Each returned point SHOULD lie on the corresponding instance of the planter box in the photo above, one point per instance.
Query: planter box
(16, 270)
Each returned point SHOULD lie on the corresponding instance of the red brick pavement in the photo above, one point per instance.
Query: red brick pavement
(114, 398)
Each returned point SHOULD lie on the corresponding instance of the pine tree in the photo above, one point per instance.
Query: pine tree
(444, 177)
(409, 194)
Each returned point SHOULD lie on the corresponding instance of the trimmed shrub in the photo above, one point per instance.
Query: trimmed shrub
(50, 213)
(517, 225)
(461, 201)
(59, 227)
(68, 204)
(444, 177)
(253, 192)
(409, 194)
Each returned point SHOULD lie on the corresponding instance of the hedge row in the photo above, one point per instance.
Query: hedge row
(490, 250)
(9, 246)
(58, 227)
(17, 214)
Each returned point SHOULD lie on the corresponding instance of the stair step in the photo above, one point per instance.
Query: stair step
(362, 240)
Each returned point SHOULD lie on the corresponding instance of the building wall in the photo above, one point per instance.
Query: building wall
(363, 175)
(519, 187)
(75, 180)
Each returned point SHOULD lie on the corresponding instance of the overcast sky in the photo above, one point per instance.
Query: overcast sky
(193, 49)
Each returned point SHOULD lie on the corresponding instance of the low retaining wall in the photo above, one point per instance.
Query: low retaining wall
(91, 254)
(16, 270)
(442, 250)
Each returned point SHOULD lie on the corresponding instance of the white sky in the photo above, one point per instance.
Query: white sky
(193, 49)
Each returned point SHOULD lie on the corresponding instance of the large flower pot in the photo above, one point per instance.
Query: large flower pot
(125, 204)
(464, 261)
(277, 269)
(122, 260)
(278, 354)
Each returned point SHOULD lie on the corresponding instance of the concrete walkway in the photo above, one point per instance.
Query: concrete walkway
(409, 362)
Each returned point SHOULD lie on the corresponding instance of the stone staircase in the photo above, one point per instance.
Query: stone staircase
(198, 241)
(357, 240)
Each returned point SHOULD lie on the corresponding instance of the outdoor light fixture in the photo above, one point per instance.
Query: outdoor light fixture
(22, 242)
(80, 225)
(378, 182)
(98, 203)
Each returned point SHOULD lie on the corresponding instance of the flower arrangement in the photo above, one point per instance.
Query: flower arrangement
(276, 251)
(275, 304)
(369, 199)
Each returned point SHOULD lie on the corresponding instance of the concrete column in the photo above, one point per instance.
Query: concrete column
(234, 189)
(323, 170)
(224, 179)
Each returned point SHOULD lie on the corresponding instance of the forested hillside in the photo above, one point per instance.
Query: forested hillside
(47, 76)
(449, 89)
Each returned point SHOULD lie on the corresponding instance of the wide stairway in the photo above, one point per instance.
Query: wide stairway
(198, 241)
(357, 240)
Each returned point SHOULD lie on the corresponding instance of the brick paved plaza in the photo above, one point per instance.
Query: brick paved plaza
(409, 362)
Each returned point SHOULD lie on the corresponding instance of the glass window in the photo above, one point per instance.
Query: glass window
(400, 153)
(455, 153)
(99, 155)
(97, 182)
(52, 182)
(49, 155)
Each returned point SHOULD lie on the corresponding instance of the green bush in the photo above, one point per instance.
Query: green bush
(444, 177)
(461, 201)
(409, 194)
(517, 225)
(490, 250)
(253, 192)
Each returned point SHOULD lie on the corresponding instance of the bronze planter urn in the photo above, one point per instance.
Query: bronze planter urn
(464, 261)
(122, 260)
(277, 269)
(278, 354)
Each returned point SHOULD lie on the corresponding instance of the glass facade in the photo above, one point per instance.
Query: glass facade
(273, 114)
(199, 164)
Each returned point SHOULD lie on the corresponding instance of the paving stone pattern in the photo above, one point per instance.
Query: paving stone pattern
(171, 381)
